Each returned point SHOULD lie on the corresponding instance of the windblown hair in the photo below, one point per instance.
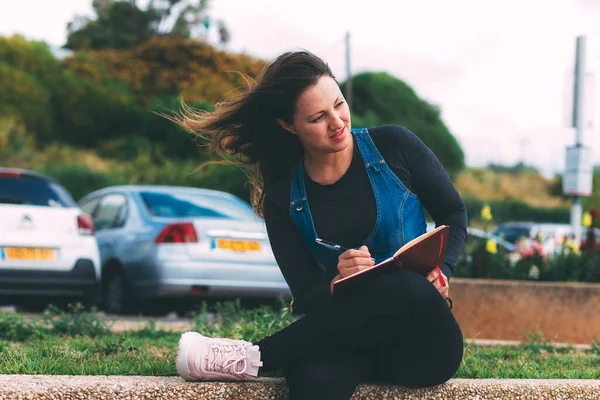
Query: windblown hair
(244, 126)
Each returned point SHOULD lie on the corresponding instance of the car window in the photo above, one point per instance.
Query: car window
(90, 205)
(511, 233)
(121, 216)
(549, 232)
(190, 205)
(34, 192)
(110, 212)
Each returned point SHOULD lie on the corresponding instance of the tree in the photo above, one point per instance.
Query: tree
(379, 98)
(121, 24)
(29, 79)
(193, 70)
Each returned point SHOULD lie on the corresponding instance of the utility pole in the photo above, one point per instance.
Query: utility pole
(577, 180)
(348, 73)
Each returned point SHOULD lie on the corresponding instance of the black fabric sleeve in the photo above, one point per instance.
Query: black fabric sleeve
(303, 275)
(439, 197)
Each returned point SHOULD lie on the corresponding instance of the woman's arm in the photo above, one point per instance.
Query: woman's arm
(416, 165)
(298, 266)
(438, 195)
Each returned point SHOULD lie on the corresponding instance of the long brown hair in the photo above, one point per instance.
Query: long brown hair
(244, 125)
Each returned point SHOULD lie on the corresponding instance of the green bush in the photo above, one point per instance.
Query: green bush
(566, 266)
(234, 322)
(228, 178)
(146, 169)
(368, 120)
(15, 328)
(513, 210)
(79, 179)
(29, 79)
(126, 147)
(77, 321)
(379, 98)
(583, 267)
(15, 140)
(476, 262)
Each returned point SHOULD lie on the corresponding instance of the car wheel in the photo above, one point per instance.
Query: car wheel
(114, 294)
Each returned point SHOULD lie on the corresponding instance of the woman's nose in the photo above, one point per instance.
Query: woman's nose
(336, 123)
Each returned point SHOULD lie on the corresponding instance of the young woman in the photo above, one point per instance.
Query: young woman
(363, 189)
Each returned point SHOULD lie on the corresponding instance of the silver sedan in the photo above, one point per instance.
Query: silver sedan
(180, 242)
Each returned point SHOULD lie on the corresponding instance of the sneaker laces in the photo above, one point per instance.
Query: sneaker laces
(227, 358)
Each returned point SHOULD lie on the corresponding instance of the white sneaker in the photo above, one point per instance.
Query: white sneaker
(203, 358)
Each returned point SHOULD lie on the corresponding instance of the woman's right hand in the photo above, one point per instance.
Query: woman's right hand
(352, 261)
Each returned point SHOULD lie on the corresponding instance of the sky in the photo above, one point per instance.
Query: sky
(501, 72)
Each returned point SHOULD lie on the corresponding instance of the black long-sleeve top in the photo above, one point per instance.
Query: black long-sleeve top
(334, 210)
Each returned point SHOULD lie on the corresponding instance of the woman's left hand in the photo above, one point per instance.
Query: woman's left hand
(433, 278)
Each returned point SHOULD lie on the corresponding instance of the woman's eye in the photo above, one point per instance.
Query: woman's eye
(317, 119)
(340, 103)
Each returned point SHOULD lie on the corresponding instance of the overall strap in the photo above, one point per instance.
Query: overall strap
(371, 156)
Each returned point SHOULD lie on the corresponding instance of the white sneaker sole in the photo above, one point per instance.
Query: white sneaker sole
(186, 340)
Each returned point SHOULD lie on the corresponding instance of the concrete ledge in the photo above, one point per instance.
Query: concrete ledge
(21, 387)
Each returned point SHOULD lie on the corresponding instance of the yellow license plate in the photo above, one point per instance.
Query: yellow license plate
(238, 245)
(29, 253)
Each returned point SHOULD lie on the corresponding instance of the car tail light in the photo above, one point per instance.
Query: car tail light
(178, 232)
(10, 174)
(85, 225)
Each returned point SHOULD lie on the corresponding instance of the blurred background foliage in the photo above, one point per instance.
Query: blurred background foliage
(90, 117)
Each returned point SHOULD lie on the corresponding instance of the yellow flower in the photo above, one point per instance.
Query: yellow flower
(571, 245)
(486, 213)
(491, 246)
(534, 272)
(587, 219)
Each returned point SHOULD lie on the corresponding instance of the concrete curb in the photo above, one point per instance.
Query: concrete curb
(515, 343)
(30, 387)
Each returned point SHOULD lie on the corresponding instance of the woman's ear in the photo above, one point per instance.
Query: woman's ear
(285, 126)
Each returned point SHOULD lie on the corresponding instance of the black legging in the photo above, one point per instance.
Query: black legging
(395, 329)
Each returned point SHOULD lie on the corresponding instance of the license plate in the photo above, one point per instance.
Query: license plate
(238, 245)
(28, 253)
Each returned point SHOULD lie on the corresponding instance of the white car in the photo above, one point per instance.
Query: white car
(48, 251)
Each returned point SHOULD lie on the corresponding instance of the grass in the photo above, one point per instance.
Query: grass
(78, 343)
(529, 187)
(83, 355)
(526, 363)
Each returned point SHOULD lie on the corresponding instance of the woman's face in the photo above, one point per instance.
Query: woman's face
(322, 118)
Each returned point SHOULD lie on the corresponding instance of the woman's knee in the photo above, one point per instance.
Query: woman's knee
(422, 375)
(434, 357)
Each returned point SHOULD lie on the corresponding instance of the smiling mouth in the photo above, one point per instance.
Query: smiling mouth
(337, 134)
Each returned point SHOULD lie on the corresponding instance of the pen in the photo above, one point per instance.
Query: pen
(440, 277)
(333, 246)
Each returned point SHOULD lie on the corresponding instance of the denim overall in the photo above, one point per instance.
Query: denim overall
(399, 214)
